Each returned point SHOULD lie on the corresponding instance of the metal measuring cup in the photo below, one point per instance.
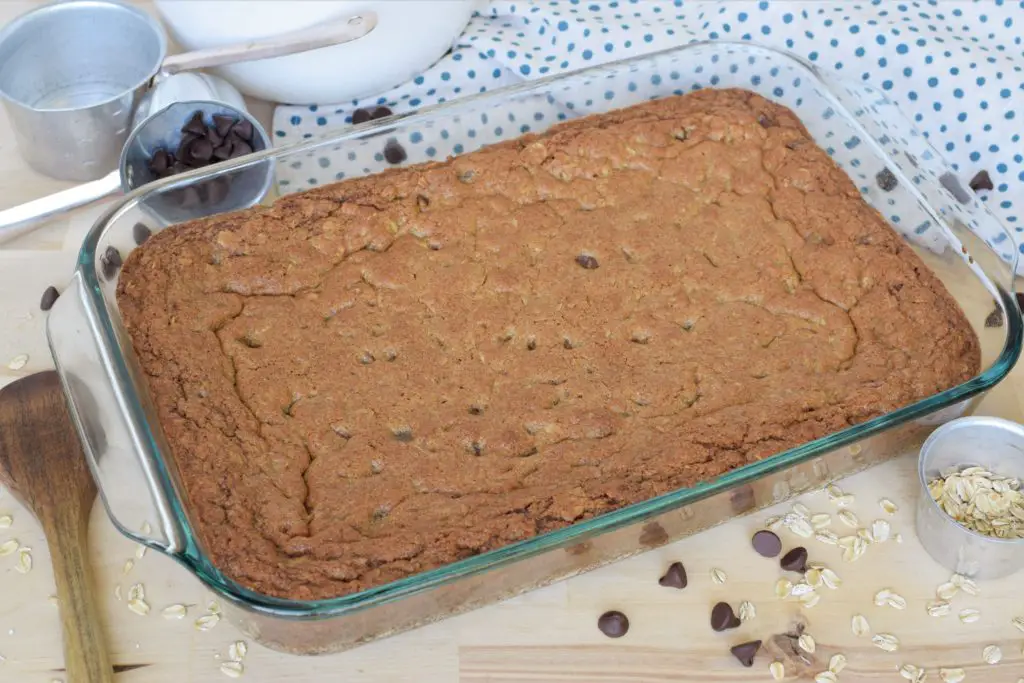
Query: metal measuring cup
(167, 77)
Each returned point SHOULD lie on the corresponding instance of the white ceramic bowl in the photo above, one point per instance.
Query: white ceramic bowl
(409, 37)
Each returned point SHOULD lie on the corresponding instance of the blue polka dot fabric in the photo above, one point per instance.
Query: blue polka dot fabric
(949, 72)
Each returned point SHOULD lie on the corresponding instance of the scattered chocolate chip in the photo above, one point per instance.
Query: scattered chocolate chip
(587, 262)
(981, 181)
(243, 129)
(766, 543)
(110, 261)
(361, 116)
(952, 183)
(745, 652)
(613, 624)
(675, 577)
(995, 318)
(195, 125)
(50, 295)
(222, 124)
(141, 233)
(200, 150)
(723, 618)
(394, 152)
(795, 560)
(380, 113)
(886, 180)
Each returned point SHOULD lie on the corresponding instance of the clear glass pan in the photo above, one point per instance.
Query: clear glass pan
(962, 243)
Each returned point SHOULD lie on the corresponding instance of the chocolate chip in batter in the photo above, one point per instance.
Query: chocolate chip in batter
(766, 543)
(403, 433)
(765, 120)
(141, 233)
(745, 652)
(110, 262)
(50, 295)
(394, 152)
(795, 560)
(886, 180)
(613, 624)
(675, 576)
(476, 409)
(723, 618)
(981, 181)
(531, 343)
(476, 447)
(587, 262)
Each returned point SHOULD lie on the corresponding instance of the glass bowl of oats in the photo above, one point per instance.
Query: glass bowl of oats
(970, 516)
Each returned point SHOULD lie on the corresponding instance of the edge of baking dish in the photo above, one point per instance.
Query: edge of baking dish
(112, 413)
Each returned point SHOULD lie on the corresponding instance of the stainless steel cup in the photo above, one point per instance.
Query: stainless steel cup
(71, 74)
(989, 442)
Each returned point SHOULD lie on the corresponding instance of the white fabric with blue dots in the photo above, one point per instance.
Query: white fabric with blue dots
(956, 69)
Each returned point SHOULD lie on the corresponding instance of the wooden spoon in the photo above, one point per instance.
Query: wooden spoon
(42, 463)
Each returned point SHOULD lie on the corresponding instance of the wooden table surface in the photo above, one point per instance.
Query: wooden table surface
(546, 635)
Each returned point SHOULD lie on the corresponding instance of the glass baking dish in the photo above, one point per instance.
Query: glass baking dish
(959, 240)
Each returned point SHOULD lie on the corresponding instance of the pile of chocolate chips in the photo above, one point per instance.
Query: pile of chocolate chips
(202, 144)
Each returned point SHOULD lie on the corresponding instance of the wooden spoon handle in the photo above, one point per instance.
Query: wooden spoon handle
(85, 654)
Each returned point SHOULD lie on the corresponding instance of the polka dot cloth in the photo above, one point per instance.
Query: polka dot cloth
(954, 69)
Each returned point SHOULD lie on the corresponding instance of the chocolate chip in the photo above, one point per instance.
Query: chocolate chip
(190, 197)
(995, 318)
(110, 261)
(141, 233)
(675, 577)
(723, 618)
(217, 189)
(183, 155)
(795, 560)
(587, 262)
(403, 434)
(886, 180)
(394, 152)
(380, 113)
(240, 148)
(613, 624)
(361, 116)
(952, 183)
(765, 120)
(160, 162)
(243, 129)
(195, 125)
(766, 543)
(215, 139)
(981, 181)
(745, 652)
(222, 124)
(223, 151)
(49, 298)
(200, 150)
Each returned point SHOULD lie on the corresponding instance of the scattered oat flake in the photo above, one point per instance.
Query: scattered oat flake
(237, 650)
(806, 643)
(837, 663)
(174, 612)
(825, 677)
(827, 537)
(800, 589)
(946, 591)
(821, 520)
(813, 577)
(890, 598)
(801, 527)
(801, 509)
(207, 621)
(845, 500)
(24, 565)
(880, 530)
(859, 625)
(898, 538)
(865, 535)
(18, 362)
(140, 552)
(717, 576)
(146, 528)
(969, 616)
(6, 521)
(992, 654)
(834, 491)
(117, 591)
(8, 547)
(938, 608)
(747, 610)
(888, 506)
(54, 600)
(969, 586)
(783, 588)
(1018, 622)
(886, 641)
(848, 518)
(128, 564)
(213, 607)
(910, 672)
(137, 592)
(232, 669)
(139, 606)
(952, 675)
(774, 523)
(830, 578)
(809, 600)
(777, 670)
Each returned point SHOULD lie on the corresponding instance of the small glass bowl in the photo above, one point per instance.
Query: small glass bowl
(989, 442)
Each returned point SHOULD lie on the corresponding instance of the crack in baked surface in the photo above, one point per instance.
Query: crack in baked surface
(382, 376)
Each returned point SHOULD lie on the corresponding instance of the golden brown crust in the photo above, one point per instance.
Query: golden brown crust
(387, 374)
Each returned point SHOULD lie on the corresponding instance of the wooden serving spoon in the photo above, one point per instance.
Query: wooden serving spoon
(42, 463)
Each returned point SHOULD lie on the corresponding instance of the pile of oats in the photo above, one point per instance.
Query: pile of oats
(981, 501)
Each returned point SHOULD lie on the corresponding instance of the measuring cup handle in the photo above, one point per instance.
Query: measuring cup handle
(325, 35)
(23, 218)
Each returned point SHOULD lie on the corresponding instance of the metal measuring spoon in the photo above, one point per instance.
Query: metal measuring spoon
(25, 217)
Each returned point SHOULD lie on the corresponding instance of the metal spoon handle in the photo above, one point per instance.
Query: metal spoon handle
(332, 33)
(20, 219)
